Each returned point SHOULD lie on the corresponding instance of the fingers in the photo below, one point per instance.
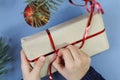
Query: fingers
(66, 55)
(38, 66)
(24, 64)
(76, 62)
(27, 69)
(57, 64)
(69, 55)
(74, 51)
(63, 60)
(23, 58)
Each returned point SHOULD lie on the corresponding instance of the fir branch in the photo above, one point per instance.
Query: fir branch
(4, 57)
(51, 4)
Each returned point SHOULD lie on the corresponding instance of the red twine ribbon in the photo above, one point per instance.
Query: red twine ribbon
(74, 43)
(53, 46)
(93, 4)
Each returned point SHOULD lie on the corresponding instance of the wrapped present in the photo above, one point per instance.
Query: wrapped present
(70, 32)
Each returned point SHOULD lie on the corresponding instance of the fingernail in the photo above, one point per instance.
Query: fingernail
(42, 59)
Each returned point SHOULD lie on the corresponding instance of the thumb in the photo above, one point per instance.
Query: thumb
(57, 64)
(38, 66)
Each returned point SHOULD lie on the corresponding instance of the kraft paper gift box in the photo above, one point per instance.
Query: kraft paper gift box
(65, 34)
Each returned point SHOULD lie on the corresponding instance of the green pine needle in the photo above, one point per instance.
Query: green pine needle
(4, 58)
(51, 4)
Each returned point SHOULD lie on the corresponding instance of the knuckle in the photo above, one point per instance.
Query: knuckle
(87, 57)
(64, 50)
(70, 46)
(89, 60)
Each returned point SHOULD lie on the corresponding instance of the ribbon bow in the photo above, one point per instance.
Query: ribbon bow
(93, 4)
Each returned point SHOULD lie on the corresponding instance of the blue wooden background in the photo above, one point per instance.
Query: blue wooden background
(12, 24)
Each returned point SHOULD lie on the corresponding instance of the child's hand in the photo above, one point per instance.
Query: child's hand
(72, 63)
(30, 73)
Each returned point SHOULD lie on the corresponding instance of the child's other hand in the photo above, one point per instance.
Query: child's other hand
(30, 73)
